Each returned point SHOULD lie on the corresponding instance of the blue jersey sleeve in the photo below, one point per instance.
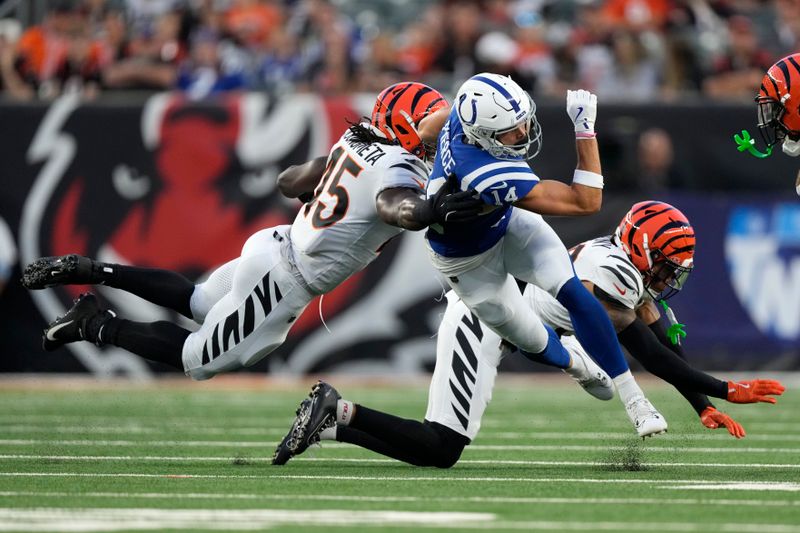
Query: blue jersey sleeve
(499, 183)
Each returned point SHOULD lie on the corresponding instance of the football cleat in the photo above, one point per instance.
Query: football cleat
(283, 452)
(645, 418)
(59, 270)
(314, 415)
(585, 371)
(72, 326)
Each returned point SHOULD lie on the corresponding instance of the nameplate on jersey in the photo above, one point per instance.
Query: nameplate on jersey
(369, 152)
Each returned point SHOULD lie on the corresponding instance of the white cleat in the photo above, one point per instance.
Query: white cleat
(585, 371)
(645, 418)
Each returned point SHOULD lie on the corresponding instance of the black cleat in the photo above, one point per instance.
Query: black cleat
(72, 326)
(283, 453)
(313, 416)
(59, 270)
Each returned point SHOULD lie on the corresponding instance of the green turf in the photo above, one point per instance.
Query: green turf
(548, 458)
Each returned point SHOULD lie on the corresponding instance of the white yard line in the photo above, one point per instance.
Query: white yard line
(138, 430)
(756, 431)
(104, 519)
(700, 435)
(411, 499)
(734, 448)
(549, 525)
(356, 460)
(66, 519)
(767, 485)
(645, 448)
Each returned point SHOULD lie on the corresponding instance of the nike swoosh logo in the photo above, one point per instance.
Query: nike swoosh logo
(580, 111)
(55, 329)
(501, 185)
(623, 292)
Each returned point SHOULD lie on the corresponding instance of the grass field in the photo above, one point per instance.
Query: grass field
(193, 457)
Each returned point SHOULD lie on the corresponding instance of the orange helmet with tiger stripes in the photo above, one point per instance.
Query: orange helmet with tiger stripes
(399, 109)
(778, 101)
(659, 241)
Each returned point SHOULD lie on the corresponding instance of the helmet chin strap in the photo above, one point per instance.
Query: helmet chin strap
(790, 147)
(647, 251)
(413, 127)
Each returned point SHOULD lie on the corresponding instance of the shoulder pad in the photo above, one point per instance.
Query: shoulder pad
(608, 268)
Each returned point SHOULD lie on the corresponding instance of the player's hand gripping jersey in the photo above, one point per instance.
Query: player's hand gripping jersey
(604, 263)
(339, 231)
(498, 182)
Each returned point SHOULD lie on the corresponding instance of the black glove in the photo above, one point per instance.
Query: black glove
(449, 206)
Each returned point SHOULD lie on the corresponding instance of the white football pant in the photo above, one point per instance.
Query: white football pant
(530, 251)
(246, 307)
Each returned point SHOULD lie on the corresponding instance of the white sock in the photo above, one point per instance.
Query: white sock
(328, 433)
(344, 412)
(627, 387)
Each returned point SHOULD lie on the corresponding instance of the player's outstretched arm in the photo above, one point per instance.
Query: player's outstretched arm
(406, 208)
(584, 196)
(644, 344)
(551, 197)
(299, 181)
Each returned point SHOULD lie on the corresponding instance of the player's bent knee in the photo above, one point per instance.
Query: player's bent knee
(449, 457)
(451, 445)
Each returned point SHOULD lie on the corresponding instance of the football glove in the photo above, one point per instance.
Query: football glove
(582, 110)
(713, 419)
(753, 391)
(449, 206)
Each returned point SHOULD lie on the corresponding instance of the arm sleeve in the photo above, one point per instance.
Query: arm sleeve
(499, 183)
(650, 346)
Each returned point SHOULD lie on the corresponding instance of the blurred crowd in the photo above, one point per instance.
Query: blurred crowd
(623, 50)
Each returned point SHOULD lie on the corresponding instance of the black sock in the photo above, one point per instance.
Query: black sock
(161, 287)
(419, 443)
(365, 440)
(156, 341)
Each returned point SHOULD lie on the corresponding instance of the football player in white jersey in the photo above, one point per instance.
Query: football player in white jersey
(372, 187)
(647, 260)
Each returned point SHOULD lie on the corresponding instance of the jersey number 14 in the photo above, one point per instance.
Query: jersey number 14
(511, 196)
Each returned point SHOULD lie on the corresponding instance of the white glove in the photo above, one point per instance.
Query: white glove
(582, 109)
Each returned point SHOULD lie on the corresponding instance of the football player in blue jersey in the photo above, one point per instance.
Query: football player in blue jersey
(484, 146)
